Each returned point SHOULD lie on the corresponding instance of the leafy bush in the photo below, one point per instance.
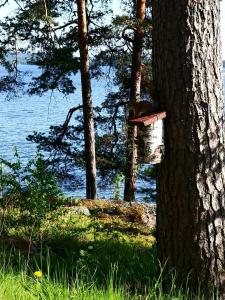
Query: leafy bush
(31, 189)
(117, 181)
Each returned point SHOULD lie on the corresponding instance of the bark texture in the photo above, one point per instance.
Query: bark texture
(191, 179)
(135, 91)
(89, 135)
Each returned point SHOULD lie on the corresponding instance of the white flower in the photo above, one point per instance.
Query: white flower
(82, 253)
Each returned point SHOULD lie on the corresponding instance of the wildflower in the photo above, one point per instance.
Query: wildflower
(38, 274)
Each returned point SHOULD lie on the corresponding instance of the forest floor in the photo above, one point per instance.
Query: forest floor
(83, 250)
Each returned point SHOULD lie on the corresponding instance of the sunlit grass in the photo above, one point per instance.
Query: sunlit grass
(102, 256)
(21, 286)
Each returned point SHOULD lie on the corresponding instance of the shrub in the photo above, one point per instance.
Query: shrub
(31, 189)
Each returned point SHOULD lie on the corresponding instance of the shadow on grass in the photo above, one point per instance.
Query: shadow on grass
(133, 265)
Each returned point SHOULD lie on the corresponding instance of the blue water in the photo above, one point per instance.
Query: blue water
(23, 115)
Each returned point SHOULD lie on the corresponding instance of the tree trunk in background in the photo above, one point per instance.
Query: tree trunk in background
(89, 134)
(191, 183)
(135, 90)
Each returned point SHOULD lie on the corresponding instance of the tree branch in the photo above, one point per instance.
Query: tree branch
(114, 117)
(125, 36)
(66, 123)
(3, 4)
(65, 25)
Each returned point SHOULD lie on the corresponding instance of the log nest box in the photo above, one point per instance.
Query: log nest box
(150, 137)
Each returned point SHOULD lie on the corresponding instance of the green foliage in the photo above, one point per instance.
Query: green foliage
(118, 179)
(10, 176)
(31, 189)
(40, 187)
(50, 28)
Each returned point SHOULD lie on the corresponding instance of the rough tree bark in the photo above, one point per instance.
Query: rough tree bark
(191, 179)
(89, 135)
(135, 91)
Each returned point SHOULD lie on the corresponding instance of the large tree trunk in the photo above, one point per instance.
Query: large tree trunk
(135, 91)
(87, 102)
(191, 183)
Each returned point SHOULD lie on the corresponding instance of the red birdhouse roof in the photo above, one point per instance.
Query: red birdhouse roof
(147, 120)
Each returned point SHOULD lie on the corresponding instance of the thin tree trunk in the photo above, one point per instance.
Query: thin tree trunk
(87, 102)
(191, 179)
(135, 90)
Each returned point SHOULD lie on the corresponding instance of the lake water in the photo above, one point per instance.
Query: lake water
(22, 115)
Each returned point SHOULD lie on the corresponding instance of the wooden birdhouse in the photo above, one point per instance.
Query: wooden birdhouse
(150, 137)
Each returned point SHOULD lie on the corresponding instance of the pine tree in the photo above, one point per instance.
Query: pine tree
(89, 134)
(191, 179)
(135, 94)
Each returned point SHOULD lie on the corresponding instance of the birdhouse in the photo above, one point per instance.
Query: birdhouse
(150, 137)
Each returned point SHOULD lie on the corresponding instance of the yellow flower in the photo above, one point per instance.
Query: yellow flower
(38, 274)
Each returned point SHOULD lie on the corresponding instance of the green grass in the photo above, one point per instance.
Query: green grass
(108, 255)
(20, 286)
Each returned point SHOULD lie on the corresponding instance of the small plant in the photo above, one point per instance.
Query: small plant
(117, 184)
(31, 189)
(11, 176)
(41, 190)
